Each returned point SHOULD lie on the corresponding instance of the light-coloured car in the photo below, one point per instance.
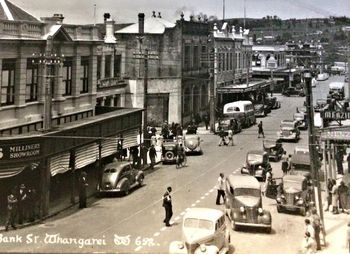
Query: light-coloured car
(192, 143)
(203, 231)
(244, 203)
(120, 177)
(289, 130)
(301, 118)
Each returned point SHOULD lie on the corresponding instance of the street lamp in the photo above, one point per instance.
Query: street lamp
(48, 61)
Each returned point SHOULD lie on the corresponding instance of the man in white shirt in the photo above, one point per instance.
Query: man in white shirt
(221, 188)
(230, 137)
(309, 228)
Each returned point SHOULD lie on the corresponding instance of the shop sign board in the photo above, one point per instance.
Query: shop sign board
(335, 115)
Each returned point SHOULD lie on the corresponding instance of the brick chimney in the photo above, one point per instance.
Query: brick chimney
(55, 19)
(141, 23)
(109, 36)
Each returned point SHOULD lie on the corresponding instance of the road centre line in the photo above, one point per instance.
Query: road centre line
(138, 248)
(182, 214)
(206, 194)
(163, 228)
(156, 234)
(198, 201)
(177, 218)
(202, 197)
(193, 205)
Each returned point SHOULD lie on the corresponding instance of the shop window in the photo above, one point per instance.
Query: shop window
(204, 57)
(117, 65)
(108, 59)
(8, 82)
(31, 81)
(98, 74)
(85, 75)
(187, 58)
(195, 58)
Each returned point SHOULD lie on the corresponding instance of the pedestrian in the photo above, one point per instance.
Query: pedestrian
(339, 160)
(348, 160)
(230, 137)
(342, 191)
(144, 154)
(348, 237)
(119, 150)
(222, 136)
(260, 130)
(31, 204)
(335, 197)
(329, 197)
(167, 204)
(152, 155)
(317, 226)
(285, 164)
(206, 121)
(308, 245)
(83, 189)
(268, 180)
(220, 188)
(22, 203)
(309, 228)
(135, 155)
(11, 210)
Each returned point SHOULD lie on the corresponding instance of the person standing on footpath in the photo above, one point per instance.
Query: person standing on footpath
(329, 197)
(285, 164)
(308, 245)
(317, 226)
(260, 130)
(342, 191)
(22, 203)
(11, 210)
(82, 190)
(222, 136)
(168, 206)
(152, 155)
(230, 137)
(221, 188)
(335, 197)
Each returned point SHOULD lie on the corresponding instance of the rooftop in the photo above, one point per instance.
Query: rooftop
(152, 25)
(9, 11)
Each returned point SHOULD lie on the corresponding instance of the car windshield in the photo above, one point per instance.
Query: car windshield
(254, 157)
(287, 125)
(198, 223)
(298, 115)
(291, 184)
(110, 170)
(247, 192)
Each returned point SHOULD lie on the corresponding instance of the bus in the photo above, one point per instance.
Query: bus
(242, 111)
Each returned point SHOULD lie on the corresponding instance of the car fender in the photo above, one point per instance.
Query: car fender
(209, 249)
(174, 248)
(139, 175)
(122, 183)
(266, 218)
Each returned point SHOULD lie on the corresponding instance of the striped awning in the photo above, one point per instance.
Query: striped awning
(9, 172)
(59, 164)
(130, 138)
(109, 146)
(86, 155)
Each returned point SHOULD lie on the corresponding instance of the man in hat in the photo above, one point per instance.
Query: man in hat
(11, 210)
(82, 189)
(22, 202)
(167, 204)
(152, 155)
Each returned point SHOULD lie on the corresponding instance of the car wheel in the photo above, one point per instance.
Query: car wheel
(279, 208)
(140, 181)
(268, 230)
(169, 155)
(234, 226)
(127, 189)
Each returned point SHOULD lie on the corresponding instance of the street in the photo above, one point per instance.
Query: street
(134, 223)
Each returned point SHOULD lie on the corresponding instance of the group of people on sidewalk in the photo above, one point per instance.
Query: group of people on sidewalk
(337, 196)
(22, 204)
(313, 229)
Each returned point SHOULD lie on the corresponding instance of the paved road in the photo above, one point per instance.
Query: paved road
(134, 223)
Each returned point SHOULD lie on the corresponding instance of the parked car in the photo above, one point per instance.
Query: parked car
(302, 109)
(301, 119)
(120, 177)
(192, 143)
(322, 77)
(257, 164)
(293, 91)
(320, 105)
(289, 130)
(243, 204)
(228, 122)
(169, 152)
(295, 194)
(274, 148)
(203, 231)
(260, 110)
(300, 164)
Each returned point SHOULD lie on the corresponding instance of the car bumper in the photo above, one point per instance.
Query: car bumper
(290, 137)
(109, 190)
(256, 225)
(194, 150)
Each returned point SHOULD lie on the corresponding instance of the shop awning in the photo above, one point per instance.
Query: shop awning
(9, 172)
(59, 164)
(242, 88)
(109, 146)
(86, 155)
(130, 138)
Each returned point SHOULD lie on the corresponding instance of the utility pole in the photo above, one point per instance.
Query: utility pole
(223, 9)
(314, 159)
(212, 89)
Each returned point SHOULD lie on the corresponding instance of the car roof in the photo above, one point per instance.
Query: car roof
(262, 152)
(117, 164)
(298, 178)
(288, 121)
(243, 181)
(204, 213)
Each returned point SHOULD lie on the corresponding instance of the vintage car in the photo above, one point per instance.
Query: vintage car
(120, 177)
(203, 231)
(169, 152)
(293, 91)
(192, 143)
(294, 194)
(257, 164)
(274, 148)
(228, 122)
(301, 119)
(260, 110)
(243, 203)
(300, 164)
(289, 130)
(320, 105)
(322, 77)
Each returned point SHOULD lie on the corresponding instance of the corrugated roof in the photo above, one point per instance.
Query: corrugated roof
(152, 25)
(9, 11)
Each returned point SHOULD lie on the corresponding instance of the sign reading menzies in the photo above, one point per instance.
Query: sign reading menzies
(335, 115)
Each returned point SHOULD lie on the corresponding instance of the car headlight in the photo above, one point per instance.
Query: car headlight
(180, 245)
(279, 200)
(202, 248)
(296, 197)
(283, 197)
(241, 209)
(260, 211)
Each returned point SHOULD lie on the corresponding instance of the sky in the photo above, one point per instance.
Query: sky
(125, 11)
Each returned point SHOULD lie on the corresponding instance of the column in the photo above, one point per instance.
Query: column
(122, 100)
(0, 77)
(329, 154)
(334, 169)
(59, 86)
(112, 66)
(103, 62)
(92, 74)
(45, 175)
(20, 81)
(76, 74)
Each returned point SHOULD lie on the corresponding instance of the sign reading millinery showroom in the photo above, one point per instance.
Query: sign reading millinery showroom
(20, 151)
(335, 115)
